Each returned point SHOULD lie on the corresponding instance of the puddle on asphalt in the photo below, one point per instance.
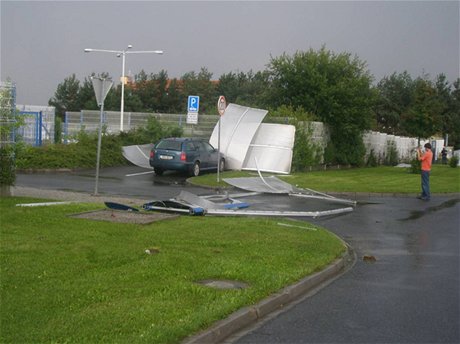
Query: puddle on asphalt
(88, 175)
(419, 213)
(168, 181)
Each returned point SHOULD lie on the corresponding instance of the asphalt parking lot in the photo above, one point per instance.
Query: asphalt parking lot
(408, 292)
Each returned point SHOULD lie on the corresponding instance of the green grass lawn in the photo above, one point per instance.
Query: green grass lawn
(381, 179)
(65, 279)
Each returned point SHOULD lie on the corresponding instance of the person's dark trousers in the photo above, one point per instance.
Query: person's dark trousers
(426, 185)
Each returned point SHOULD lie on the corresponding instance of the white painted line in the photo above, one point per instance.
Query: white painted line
(138, 174)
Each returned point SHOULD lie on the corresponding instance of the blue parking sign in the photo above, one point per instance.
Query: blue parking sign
(193, 103)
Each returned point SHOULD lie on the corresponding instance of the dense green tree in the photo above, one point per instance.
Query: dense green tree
(66, 97)
(201, 85)
(395, 94)
(452, 128)
(87, 97)
(249, 89)
(448, 97)
(230, 85)
(151, 90)
(334, 87)
(423, 118)
(174, 98)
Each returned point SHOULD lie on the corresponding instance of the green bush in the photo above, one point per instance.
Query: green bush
(82, 152)
(453, 162)
(305, 152)
(151, 133)
(371, 159)
(391, 157)
(7, 166)
(57, 129)
(345, 149)
(415, 166)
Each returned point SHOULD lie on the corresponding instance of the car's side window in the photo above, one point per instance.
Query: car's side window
(208, 147)
(189, 146)
(199, 146)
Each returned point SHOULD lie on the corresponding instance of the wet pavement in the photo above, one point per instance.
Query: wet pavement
(404, 287)
(409, 292)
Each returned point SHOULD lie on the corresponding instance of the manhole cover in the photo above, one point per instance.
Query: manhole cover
(223, 284)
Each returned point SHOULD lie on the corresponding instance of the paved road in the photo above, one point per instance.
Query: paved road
(410, 294)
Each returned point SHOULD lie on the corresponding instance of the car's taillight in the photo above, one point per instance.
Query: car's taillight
(152, 154)
(183, 156)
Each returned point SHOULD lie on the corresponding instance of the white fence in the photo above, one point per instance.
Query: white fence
(376, 142)
(89, 121)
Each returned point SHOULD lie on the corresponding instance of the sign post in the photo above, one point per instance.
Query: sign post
(193, 106)
(221, 106)
(101, 88)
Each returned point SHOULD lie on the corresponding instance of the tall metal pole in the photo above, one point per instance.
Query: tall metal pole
(99, 141)
(122, 107)
(122, 53)
(218, 153)
(101, 88)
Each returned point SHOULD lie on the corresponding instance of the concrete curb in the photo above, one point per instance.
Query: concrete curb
(248, 316)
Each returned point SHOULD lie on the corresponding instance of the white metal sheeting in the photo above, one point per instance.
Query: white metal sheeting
(237, 128)
(244, 139)
(272, 148)
(275, 185)
(138, 155)
(269, 184)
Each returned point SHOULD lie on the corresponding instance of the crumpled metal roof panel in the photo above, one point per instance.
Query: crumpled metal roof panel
(272, 148)
(237, 128)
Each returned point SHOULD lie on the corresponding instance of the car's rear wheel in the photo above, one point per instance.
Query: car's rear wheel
(196, 169)
(158, 171)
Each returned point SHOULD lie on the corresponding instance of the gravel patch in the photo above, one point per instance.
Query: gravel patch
(100, 215)
(21, 191)
(124, 216)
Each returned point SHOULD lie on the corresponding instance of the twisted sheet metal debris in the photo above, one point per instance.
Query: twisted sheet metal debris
(138, 154)
(243, 137)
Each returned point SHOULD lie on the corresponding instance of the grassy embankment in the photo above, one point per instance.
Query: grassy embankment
(381, 179)
(74, 280)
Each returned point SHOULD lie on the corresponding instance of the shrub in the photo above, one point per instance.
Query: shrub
(415, 166)
(82, 152)
(453, 162)
(305, 152)
(346, 148)
(371, 159)
(7, 166)
(391, 158)
(151, 133)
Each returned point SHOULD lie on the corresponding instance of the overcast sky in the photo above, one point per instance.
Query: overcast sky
(43, 42)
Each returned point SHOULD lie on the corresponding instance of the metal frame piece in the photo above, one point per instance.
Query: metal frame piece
(313, 214)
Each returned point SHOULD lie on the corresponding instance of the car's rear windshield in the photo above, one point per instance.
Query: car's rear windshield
(169, 144)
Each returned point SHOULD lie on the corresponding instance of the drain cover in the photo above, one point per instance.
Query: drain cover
(223, 284)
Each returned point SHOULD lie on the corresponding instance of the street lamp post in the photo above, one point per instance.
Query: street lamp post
(123, 53)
